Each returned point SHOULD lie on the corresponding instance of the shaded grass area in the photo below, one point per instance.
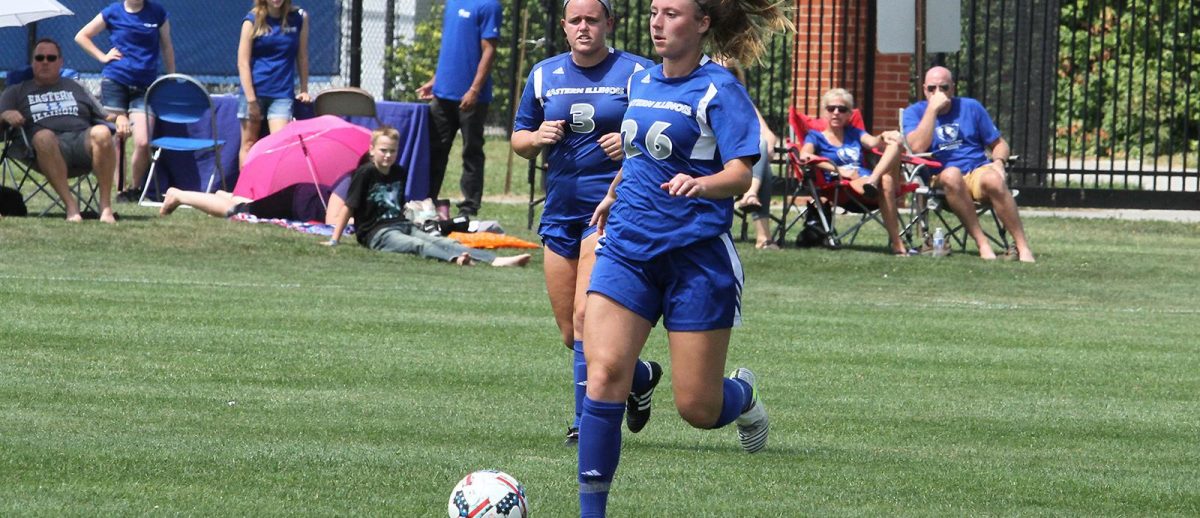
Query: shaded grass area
(198, 366)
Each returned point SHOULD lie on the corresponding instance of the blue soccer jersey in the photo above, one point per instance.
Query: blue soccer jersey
(960, 135)
(592, 101)
(849, 154)
(690, 125)
(464, 25)
(136, 35)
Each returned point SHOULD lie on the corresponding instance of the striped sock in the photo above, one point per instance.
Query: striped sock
(579, 369)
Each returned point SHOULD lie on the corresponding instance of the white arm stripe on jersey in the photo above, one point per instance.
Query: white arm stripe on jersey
(706, 144)
(537, 86)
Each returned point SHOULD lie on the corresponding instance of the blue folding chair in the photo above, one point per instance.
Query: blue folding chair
(180, 99)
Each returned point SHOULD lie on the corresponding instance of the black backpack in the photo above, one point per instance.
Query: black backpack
(11, 202)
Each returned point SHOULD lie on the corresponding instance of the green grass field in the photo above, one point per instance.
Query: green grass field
(190, 365)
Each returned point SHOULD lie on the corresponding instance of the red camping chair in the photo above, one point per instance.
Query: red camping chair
(825, 194)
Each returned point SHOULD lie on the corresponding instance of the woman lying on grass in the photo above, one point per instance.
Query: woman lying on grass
(376, 201)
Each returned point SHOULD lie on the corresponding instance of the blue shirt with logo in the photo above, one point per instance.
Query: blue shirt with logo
(136, 35)
(691, 125)
(273, 55)
(849, 154)
(960, 135)
(592, 101)
(464, 25)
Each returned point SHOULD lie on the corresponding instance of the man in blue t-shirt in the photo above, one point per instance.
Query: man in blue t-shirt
(959, 133)
(459, 94)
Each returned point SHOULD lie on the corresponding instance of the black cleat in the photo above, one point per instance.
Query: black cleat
(637, 407)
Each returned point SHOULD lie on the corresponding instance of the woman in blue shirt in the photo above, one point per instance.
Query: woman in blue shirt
(272, 51)
(843, 144)
(139, 32)
(572, 106)
(690, 140)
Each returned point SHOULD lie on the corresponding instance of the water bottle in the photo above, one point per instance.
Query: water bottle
(939, 242)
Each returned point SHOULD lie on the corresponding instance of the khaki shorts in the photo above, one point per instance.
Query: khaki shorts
(973, 180)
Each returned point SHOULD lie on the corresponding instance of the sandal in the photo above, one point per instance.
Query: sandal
(750, 203)
(870, 191)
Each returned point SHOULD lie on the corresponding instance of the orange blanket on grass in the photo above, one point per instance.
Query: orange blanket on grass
(490, 240)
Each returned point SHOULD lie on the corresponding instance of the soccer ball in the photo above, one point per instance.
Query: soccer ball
(487, 494)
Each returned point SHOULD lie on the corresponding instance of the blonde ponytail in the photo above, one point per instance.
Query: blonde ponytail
(739, 29)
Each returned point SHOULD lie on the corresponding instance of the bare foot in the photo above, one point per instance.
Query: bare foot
(516, 260)
(170, 202)
(75, 218)
(1025, 255)
(106, 216)
(987, 254)
(463, 260)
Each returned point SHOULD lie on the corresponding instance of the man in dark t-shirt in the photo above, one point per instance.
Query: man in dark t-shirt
(65, 127)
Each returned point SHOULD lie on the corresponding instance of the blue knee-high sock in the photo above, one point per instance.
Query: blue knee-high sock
(599, 452)
(736, 397)
(579, 368)
(641, 376)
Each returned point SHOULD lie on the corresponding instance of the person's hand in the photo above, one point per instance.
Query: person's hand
(891, 137)
(684, 185)
(939, 102)
(469, 99)
(253, 110)
(112, 55)
(13, 118)
(549, 133)
(600, 215)
(303, 97)
(611, 144)
(805, 158)
(124, 127)
(425, 91)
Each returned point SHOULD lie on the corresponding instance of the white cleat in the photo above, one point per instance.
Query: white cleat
(753, 424)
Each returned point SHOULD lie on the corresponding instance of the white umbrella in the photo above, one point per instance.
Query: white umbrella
(16, 13)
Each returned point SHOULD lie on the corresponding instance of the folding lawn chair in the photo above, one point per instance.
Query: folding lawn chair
(180, 99)
(18, 163)
(824, 194)
(345, 102)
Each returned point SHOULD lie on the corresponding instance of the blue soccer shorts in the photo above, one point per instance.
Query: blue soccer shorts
(565, 239)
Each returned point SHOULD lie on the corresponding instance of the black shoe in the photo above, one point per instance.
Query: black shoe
(637, 407)
(572, 437)
(131, 195)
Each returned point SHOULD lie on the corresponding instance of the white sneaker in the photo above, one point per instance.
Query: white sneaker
(753, 424)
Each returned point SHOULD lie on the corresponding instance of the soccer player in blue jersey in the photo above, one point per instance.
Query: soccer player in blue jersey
(272, 52)
(572, 108)
(690, 139)
(957, 130)
(139, 31)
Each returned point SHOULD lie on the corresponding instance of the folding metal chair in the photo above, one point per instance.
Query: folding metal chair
(180, 99)
(825, 193)
(346, 102)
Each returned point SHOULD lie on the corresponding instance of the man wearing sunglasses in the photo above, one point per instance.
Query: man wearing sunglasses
(960, 133)
(65, 126)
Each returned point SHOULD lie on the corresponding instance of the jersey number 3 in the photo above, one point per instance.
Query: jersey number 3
(582, 115)
(658, 144)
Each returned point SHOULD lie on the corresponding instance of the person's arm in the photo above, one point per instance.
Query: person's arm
(600, 215)
(339, 227)
(726, 183)
(334, 210)
(425, 91)
(486, 60)
(84, 39)
(168, 48)
(921, 138)
(245, 46)
(529, 143)
(1000, 153)
(302, 59)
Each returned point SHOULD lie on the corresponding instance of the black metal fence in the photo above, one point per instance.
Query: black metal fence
(1101, 98)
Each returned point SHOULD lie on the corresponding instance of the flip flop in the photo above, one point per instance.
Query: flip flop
(751, 204)
(870, 191)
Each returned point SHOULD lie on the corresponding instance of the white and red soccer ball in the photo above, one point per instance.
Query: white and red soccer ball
(488, 494)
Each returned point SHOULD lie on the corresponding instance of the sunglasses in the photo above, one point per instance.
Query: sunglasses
(45, 57)
(837, 108)
(934, 88)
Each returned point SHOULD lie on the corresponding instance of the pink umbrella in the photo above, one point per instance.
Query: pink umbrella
(319, 151)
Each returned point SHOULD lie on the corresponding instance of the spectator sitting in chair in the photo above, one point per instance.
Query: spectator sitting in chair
(65, 126)
(958, 130)
(843, 144)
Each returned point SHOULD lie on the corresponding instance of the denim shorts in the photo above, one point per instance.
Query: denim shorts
(270, 107)
(122, 98)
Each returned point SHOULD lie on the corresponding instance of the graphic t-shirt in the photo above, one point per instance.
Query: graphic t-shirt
(376, 199)
(849, 154)
(136, 35)
(691, 125)
(960, 135)
(464, 25)
(592, 101)
(273, 55)
(61, 107)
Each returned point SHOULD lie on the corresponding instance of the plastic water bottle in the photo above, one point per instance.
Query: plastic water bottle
(939, 242)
